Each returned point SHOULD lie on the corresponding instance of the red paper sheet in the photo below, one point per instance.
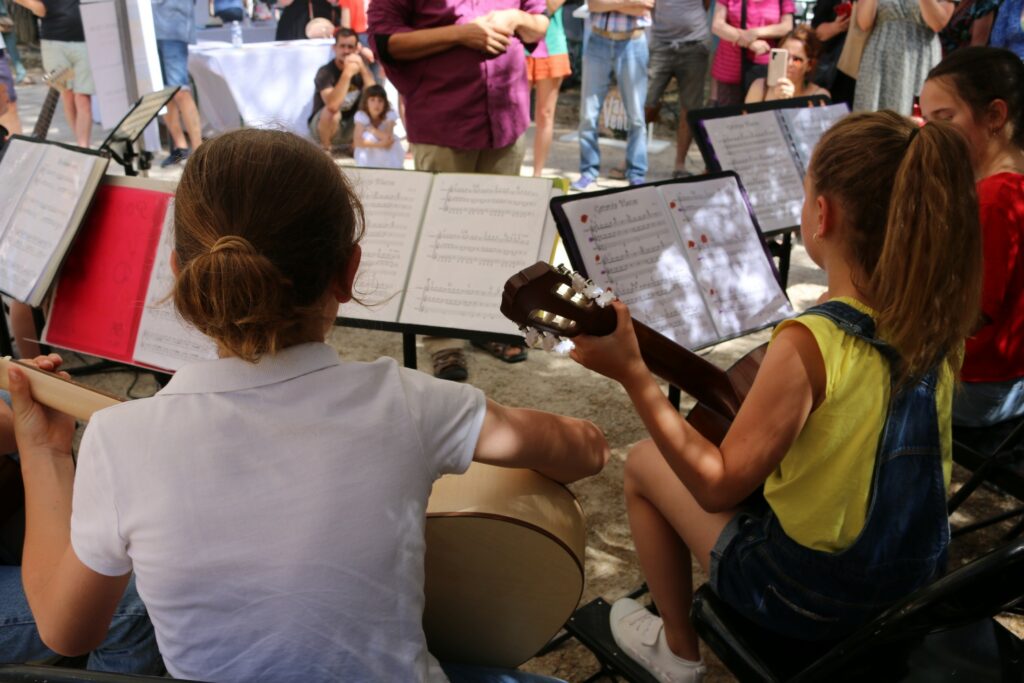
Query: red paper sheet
(102, 287)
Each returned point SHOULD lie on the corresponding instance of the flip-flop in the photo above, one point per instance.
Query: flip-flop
(500, 350)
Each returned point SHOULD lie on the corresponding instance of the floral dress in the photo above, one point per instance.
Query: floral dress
(899, 53)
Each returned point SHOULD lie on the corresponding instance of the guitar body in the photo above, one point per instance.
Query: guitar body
(504, 564)
(712, 424)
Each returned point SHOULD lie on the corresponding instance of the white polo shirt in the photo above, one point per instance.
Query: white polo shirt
(274, 513)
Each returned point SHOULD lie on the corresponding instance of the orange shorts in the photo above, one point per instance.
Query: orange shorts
(542, 68)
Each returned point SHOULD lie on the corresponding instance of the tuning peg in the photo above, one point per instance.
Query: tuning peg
(548, 341)
(604, 297)
(564, 346)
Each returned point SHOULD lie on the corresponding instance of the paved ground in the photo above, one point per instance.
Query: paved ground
(556, 383)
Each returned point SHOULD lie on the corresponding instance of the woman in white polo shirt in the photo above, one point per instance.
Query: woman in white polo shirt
(271, 503)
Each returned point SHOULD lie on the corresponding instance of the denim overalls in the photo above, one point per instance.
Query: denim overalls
(815, 595)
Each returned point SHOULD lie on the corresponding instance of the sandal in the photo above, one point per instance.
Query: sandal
(450, 364)
(500, 350)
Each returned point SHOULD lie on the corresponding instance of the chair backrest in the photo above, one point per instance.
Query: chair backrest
(980, 589)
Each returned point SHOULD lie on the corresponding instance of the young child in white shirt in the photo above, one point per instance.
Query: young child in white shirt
(270, 503)
(374, 137)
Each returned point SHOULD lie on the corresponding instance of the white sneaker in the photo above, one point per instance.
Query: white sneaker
(640, 635)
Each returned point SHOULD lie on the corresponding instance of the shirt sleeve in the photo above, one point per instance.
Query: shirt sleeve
(323, 80)
(532, 6)
(448, 417)
(95, 534)
(787, 7)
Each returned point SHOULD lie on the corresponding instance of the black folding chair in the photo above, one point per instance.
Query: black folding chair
(942, 632)
(995, 455)
(29, 673)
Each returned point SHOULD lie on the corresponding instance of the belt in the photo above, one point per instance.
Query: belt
(618, 35)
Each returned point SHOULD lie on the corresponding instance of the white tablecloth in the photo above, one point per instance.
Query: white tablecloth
(258, 84)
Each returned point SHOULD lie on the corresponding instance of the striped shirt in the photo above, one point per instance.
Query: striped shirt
(617, 22)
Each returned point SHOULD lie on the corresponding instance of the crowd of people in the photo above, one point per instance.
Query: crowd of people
(252, 530)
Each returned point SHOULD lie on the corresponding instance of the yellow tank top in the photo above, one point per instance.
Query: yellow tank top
(819, 492)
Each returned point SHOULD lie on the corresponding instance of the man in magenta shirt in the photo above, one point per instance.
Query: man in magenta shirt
(460, 67)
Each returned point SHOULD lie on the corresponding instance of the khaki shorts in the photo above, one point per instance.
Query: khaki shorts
(58, 55)
(503, 161)
(342, 135)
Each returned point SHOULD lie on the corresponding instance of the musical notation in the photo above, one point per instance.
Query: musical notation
(476, 230)
(163, 339)
(806, 125)
(754, 146)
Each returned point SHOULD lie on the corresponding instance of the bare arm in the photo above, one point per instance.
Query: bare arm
(865, 12)
(562, 448)
(936, 13)
(981, 29)
(476, 35)
(778, 30)
(789, 384)
(553, 5)
(830, 29)
(721, 27)
(35, 6)
(72, 604)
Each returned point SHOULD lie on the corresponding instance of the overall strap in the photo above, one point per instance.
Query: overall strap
(855, 323)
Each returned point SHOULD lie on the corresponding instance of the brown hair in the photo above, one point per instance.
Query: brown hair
(374, 91)
(981, 75)
(264, 223)
(910, 220)
(812, 44)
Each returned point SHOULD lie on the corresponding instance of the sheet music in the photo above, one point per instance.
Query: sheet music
(393, 203)
(753, 145)
(726, 255)
(164, 340)
(808, 124)
(628, 242)
(39, 224)
(478, 230)
(18, 165)
(550, 235)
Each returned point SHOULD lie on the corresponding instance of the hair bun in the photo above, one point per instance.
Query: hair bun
(232, 243)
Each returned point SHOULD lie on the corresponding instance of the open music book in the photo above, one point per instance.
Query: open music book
(438, 247)
(111, 299)
(687, 256)
(770, 150)
(45, 191)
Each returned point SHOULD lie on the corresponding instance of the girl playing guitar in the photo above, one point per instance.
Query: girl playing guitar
(844, 527)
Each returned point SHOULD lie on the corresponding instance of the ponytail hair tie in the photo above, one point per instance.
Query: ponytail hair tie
(910, 138)
(232, 243)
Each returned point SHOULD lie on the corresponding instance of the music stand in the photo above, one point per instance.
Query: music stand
(121, 141)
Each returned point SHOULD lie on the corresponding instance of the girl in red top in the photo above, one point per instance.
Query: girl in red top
(981, 89)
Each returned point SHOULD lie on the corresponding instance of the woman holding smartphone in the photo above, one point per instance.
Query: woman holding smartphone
(903, 47)
(802, 48)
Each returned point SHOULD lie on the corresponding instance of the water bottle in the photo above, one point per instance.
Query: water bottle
(236, 34)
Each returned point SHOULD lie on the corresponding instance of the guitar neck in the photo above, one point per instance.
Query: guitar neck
(42, 127)
(58, 392)
(688, 371)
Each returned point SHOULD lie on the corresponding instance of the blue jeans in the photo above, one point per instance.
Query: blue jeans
(628, 59)
(980, 404)
(130, 646)
(814, 595)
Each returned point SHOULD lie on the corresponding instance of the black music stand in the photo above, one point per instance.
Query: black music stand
(121, 141)
(780, 249)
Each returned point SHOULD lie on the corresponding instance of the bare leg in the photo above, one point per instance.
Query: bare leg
(173, 122)
(667, 524)
(23, 325)
(544, 116)
(83, 119)
(190, 116)
(327, 125)
(67, 98)
(683, 140)
(11, 121)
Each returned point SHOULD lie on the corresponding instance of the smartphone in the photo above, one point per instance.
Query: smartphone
(843, 9)
(778, 59)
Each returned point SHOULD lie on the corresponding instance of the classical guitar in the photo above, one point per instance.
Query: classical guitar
(58, 82)
(560, 303)
(504, 557)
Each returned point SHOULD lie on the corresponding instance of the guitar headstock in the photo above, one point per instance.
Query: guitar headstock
(548, 303)
(58, 80)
